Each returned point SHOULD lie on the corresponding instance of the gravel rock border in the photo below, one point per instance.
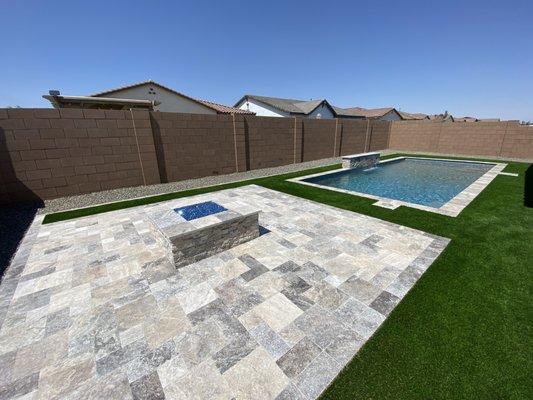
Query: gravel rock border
(109, 196)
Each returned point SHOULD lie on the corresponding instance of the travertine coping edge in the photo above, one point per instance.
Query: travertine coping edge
(452, 208)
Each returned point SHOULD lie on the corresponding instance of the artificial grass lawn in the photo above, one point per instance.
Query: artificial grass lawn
(463, 331)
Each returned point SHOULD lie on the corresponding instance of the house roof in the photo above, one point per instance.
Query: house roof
(219, 108)
(222, 109)
(291, 106)
(441, 117)
(413, 116)
(295, 106)
(360, 112)
(465, 119)
(59, 101)
(370, 112)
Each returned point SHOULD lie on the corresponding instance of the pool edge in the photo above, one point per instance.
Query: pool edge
(452, 208)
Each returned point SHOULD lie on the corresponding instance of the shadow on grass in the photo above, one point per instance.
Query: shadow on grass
(528, 187)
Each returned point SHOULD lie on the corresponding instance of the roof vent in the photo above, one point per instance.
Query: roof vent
(54, 92)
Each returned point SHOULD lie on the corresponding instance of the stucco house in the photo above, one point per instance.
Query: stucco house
(321, 109)
(280, 107)
(147, 94)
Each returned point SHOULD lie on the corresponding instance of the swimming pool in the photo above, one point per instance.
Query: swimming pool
(430, 184)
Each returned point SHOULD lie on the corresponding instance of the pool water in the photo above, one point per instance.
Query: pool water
(414, 180)
(199, 210)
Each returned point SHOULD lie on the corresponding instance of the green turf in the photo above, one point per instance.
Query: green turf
(463, 331)
(119, 205)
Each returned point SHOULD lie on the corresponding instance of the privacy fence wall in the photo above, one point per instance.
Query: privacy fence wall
(496, 139)
(49, 153)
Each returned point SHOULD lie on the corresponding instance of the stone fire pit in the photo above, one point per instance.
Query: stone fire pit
(196, 231)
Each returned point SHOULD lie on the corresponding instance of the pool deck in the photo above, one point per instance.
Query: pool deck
(91, 308)
(452, 208)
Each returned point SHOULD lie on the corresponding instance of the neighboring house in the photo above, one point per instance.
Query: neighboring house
(319, 109)
(442, 117)
(413, 116)
(148, 94)
(465, 119)
(382, 114)
(278, 107)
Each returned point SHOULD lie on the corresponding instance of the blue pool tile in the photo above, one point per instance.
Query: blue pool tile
(414, 180)
(195, 211)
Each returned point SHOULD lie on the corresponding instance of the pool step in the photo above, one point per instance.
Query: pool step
(391, 205)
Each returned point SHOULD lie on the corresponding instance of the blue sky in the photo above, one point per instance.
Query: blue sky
(468, 57)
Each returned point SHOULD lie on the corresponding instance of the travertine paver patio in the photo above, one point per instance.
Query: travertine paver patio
(94, 310)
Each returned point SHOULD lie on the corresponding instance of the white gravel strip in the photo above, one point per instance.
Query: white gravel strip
(110, 196)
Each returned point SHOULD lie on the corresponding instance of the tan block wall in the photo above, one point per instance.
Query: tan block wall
(196, 145)
(414, 135)
(270, 141)
(518, 142)
(379, 135)
(497, 139)
(47, 153)
(318, 137)
(353, 135)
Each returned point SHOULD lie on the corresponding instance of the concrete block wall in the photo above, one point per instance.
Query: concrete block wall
(270, 142)
(196, 145)
(318, 139)
(496, 139)
(353, 136)
(517, 142)
(378, 138)
(415, 136)
(48, 153)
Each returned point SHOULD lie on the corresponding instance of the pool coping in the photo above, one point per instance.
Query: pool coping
(452, 208)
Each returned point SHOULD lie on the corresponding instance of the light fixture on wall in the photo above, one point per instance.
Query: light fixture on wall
(319, 116)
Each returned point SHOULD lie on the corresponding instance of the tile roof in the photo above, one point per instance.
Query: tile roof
(219, 108)
(222, 109)
(295, 106)
(369, 112)
(345, 112)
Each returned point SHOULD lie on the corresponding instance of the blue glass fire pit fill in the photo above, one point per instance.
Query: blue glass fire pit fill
(199, 210)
